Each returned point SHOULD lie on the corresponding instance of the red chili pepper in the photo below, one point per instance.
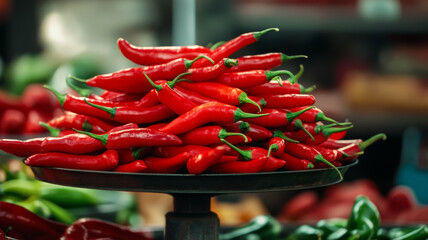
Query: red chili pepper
(100, 229)
(27, 223)
(233, 45)
(227, 158)
(251, 78)
(78, 143)
(208, 135)
(22, 148)
(131, 155)
(12, 121)
(336, 144)
(313, 115)
(105, 161)
(132, 167)
(304, 151)
(276, 117)
(71, 120)
(210, 72)
(288, 100)
(167, 165)
(320, 133)
(304, 130)
(132, 80)
(193, 96)
(32, 125)
(206, 113)
(9, 101)
(135, 137)
(251, 108)
(56, 132)
(159, 55)
(253, 131)
(330, 155)
(126, 97)
(276, 88)
(295, 164)
(352, 150)
(171, 151)
(220, 92)
(170, 98)
(199, 163)
(252, 166)
(276, 146)
(262, 61)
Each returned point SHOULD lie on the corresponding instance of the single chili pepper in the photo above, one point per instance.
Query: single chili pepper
(105, 161)
(22, 148)
(199, 163)
(220, 92)
(71, 120)
(276, 146)
(210, 72)
(135, 137)
(171, 151)
(205, 113)
(251, 78)
(132, 80)
(251, 108)
(233, 45)
(168, 164)
(56, 132)
(159, 55)
(276, 117)
(126, 114)
(226, 158)
(170, 98)
(262, 61)
(352, 150)
(133, 167)
(304, 151)
(194, 96)
(133, 154)
(207, 135)
(262, 227)
(30, 225)
(313, 115)
(98, 229)
(293, 163)
(330, 155)
(288, 100)
(251, 166)
(78, 143)
(12, 121)
(284, 87)
(336, 144)
(364, 220)
(253, 131)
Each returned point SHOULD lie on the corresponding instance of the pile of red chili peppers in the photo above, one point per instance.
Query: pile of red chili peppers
(192, 110)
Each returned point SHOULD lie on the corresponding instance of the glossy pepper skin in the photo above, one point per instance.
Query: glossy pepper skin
(251, 78)
(252, 166)
(351, 151)
(194, 96)
(208, 135)
(28, 224)
(131, 167)
(159, 55)
(276, 117)
(71, 120)
(262, 61)
(288, 100)
(171, 151)
(199, 163)
(132, 80)
(105, 161)
(22, 148)
(166, 165)
(313, 115)
(293, 163)
(273, 87)
(203, 114)
(210, 72)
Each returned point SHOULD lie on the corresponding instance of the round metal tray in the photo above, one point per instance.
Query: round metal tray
(211, 184)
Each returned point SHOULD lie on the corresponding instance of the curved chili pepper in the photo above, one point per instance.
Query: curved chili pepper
(167, 165)
(205, 113)
(288, 100)
(210, 72)
(71, 120)
(133, 167)
(304, 151)
(220, 92)
(297, 125)
(319, 133)
(104, 161)
(135, 137)
(293, 163)
(233, 45)
(27, 223)
(132, 80)
(313, 115)
(159, 55)
(198, 163)
(126, 114)
(336, 144)
(22, 148)
(251, 108)
(251, 78)
(78, 143)
(251, 166)
(171, 151)
(352, 150)
(276, 117)
(170, 98)
(330, 155)
(262, 61)
(208, 135)
(194, 96)
(276, 146)
(56, 132)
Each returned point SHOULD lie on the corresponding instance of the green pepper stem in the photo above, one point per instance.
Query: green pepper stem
(345, 155)
(137, 152)
(307, 90)
(372, 140)
(272, 74)
(258, 35)
(155, 86)
(280, 134)
(228, 62)
(274, 147)
(327, 131)
(243, 98)
(109, 110)
(102, 138)
(61, 97)
(189, 63)
(239, 114)
(53, 131)
(177, 79)
(310, 166)
(246, 154)
(244, 127)
(292, 115)
(320, 158)
(278, 79)
(285, 58)
(86, 126)
(224, 134)
(69, 80)
(216, 45)
(299, 126)
(298, 75)
(77, 79)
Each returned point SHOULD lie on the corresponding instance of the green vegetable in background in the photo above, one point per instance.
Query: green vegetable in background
(69, 197)
(364, 220)
(263, 227)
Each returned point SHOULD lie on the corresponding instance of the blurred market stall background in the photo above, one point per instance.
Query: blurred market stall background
(368, 59)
